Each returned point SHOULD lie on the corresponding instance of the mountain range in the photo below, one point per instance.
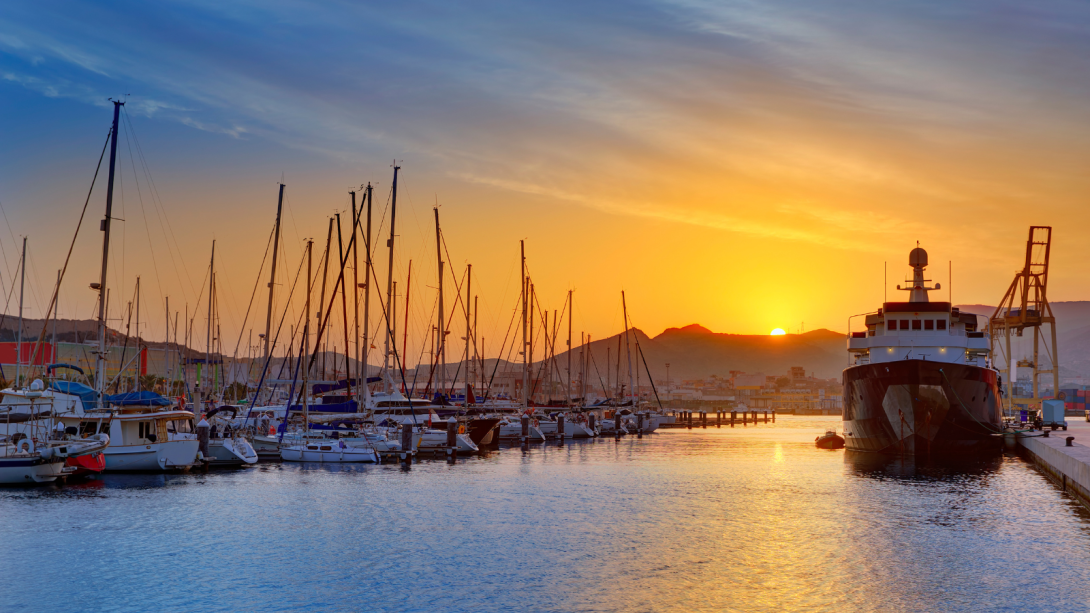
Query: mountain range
(695, 352)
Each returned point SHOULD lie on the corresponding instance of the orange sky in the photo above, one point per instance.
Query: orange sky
(742, 168)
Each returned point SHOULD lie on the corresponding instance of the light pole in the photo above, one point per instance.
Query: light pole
(668, 383)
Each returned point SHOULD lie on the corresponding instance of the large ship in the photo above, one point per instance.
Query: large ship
(920, 380)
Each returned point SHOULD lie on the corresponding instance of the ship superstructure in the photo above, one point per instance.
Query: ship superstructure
(920, 379)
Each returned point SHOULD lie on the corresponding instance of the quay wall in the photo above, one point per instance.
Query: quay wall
(1069, 467)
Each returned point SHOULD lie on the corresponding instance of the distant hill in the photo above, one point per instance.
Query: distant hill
(694, 352)
(1072, 336)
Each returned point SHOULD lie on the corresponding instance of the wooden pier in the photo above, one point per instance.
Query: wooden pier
(719, 418)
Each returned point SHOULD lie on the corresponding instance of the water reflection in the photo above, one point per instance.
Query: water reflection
(882, 466)
(744, 519)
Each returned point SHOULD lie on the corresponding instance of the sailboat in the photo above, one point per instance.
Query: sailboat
(147, 432)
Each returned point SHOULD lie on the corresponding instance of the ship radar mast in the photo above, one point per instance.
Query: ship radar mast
(917, 259)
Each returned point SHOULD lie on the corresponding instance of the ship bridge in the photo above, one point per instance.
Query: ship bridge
(919, 329)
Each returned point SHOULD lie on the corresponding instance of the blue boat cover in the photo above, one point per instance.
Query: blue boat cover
(321, 388)
(85, 393)
(142, 399)
(340, 407)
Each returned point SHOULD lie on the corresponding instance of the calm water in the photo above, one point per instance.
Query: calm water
(749, 519)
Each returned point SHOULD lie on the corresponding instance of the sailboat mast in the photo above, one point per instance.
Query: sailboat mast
(405, 328)
(100, 359)
(628, 350)
(367, 291)
(440, 357)
(525, 344)
(344, 309)
(321, 298)
(469, 280)
(306, 336)
(571, 315)
(530, 348)
(139, 355)
(211, 288)
(54, 357)
(19, 336)
(390, 281)
(355, 292)
(272, 274)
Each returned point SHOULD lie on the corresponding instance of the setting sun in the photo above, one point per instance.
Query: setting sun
(778, 332)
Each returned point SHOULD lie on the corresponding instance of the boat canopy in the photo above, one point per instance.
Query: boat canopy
(75, 388)
(49, 369)
(322, 388)
(141, 399)
(340, 407)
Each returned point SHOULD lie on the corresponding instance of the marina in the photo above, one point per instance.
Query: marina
(563, 307)
(698, 520)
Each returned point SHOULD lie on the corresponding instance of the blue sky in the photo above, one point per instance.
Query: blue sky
(796, 137)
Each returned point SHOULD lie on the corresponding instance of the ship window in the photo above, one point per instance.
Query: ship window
(929, 324)
(940, 324)
(915, 324)
(145, 428)
(904, 324)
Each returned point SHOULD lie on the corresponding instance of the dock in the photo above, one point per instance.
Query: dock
(1068, 466)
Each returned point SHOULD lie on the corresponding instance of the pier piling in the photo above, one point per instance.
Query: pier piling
(639, 425)
(407, 443)
(617, 425)
(766, 417)
(733, 417)
(718, 418)
(452, 439)
(525, 430)
(560, 429)
(689, 417)
(704, 420)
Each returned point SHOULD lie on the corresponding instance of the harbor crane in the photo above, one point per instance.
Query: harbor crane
(1025, 305)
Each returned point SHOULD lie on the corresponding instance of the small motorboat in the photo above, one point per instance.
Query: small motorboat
(829, 440)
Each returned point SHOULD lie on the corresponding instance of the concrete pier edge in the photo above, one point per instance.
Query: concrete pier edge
(1068, 467)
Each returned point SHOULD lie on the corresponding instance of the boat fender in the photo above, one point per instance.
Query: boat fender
(46, 453)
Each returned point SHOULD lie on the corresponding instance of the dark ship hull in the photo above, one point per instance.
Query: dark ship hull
(918, 407)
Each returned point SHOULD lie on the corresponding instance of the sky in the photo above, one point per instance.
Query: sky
(742, 165)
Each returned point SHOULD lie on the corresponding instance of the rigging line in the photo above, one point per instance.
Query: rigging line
(143, 213)
(596, 371)
(160, 209)
(35, 281)
(13, 240)
(67, 258)
(246, 319)
(639, 349)
(446, 324)
(499, 356)
(389, 330)
(276, 337)
(419, 358)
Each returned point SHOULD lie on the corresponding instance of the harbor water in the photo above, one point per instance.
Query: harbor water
(745, 519)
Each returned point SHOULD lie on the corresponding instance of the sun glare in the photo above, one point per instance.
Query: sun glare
(778, 332)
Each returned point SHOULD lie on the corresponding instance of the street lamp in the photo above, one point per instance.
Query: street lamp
(667, 382)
